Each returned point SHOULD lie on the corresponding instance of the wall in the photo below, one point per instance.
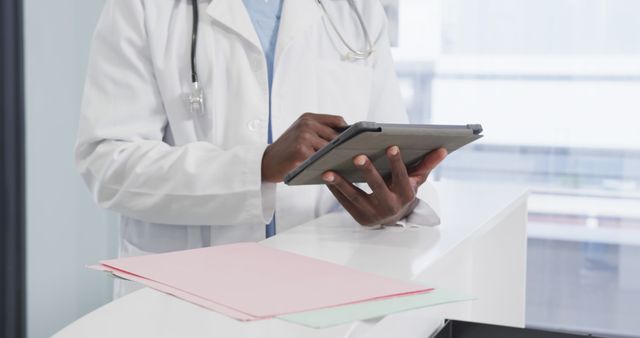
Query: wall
(65, 230)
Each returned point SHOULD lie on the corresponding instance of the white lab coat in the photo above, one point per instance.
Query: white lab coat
(182, 181)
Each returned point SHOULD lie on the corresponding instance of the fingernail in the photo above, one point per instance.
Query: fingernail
(328, 177)
(394, 150)
(360, 160)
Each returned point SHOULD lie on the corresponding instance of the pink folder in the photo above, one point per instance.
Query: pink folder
(250, 281)
(178, 293)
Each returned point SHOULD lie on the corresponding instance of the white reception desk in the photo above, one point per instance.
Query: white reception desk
(479, 249)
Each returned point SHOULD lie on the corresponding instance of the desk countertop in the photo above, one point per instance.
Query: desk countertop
(467, 211)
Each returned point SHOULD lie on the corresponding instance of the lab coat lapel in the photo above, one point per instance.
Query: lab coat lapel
(297, 16)
(233, 14)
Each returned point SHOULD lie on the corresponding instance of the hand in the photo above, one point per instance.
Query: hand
(307, 134)
(391, 200)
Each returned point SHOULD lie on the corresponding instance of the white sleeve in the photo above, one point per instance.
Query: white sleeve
(426, 212)
(423, 215)
(120, 151)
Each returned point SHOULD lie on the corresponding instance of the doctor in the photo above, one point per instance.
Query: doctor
(191, 174)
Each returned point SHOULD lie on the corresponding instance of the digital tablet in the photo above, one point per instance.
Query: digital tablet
(373, 139)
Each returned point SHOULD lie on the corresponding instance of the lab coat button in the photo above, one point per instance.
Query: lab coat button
(254, 125)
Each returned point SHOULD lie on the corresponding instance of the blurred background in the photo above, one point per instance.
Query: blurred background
(555, 83)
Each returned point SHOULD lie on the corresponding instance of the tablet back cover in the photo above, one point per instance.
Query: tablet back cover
(414, 142)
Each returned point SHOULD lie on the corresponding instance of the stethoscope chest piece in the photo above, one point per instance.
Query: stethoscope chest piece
(195, 99)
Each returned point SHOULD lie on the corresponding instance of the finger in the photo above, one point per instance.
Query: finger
(309, 139)
(357, 214)
(325, 126)
(428, 163)
(344, 201)
(301, 155)
(332, 121)
(372, 176)
(325, 132)
(399, 176)
(317, 143)
(362, 215)
(357, 197)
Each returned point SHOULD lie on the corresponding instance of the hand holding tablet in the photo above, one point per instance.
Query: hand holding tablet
(372, 139)
(394, 160)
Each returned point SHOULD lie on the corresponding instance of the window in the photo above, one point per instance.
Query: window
(555, 84)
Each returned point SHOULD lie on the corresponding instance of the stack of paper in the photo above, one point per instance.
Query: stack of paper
(249, 281)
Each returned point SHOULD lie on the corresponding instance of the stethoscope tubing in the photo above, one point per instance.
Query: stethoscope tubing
(355, 53)
(194, 40)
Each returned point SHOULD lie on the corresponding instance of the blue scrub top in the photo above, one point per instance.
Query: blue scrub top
(265, 16)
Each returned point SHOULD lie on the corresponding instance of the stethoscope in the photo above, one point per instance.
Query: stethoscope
(196, 99)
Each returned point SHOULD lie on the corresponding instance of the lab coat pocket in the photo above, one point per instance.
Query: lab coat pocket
(344, 89)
